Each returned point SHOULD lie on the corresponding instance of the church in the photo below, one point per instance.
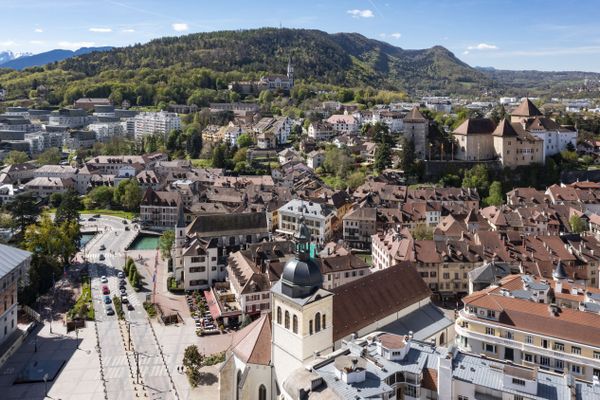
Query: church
(308, 322)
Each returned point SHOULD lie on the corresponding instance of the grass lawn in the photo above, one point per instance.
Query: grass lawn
(201, 163)
(114, 213)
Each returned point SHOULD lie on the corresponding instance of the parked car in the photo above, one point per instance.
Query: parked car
(101, 257)
(96, 215)
(102, 247)
(126, 228)
(123, 291)
(125, 222)
(105, 289)
(109, 310)
(124, 299)
(103, 279)
(107, 300)
(122, 283)
(91, 219)
(120, 275)
(130, 306)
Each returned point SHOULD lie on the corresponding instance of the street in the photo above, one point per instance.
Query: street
(128, 346)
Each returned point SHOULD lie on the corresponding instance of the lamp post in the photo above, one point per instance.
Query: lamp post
(46, 385)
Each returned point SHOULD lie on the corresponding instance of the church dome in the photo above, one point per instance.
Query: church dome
(559, 271)
(301, 278)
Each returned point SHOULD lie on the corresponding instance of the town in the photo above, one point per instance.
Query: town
(347, 245)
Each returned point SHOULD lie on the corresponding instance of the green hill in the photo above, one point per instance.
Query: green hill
(171, 68)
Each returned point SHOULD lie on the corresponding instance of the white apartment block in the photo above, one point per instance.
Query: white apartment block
(151, 123)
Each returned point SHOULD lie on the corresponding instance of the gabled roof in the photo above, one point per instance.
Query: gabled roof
(475, 126)
(526, 109)
(504, 129)
(252, 344)
(355, 307)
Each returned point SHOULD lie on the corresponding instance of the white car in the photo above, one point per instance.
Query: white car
(103, 279)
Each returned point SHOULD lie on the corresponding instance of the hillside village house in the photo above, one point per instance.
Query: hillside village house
(160, 210)
(343, 124)
(318, 217)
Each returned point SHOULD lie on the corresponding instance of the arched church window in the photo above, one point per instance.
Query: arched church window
(262, 392)
(295, 324)
(287, 320)
(324, 324)
(279, 315)
(317, 322)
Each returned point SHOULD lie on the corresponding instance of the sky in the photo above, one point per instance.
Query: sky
(505, 34)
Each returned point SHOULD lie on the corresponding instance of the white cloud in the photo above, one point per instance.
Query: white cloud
(75, 45)
(483, 46)
(8, 43)
(129, 30)
(395, 35)
(100, 30)
(466, 52)
(356, 13)
(38, 30)
(36, 42)
(180, 27)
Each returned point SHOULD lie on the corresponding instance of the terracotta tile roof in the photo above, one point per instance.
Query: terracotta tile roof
(475, 126)
(526, 109)
(364, 301)
(252, 344)
(577, 326)
(430, 378)
(504, 129)
(414, 116)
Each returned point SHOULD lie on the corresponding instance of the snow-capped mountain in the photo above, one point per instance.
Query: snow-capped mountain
(6, 56)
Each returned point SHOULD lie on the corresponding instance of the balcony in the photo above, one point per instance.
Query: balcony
(526, 347)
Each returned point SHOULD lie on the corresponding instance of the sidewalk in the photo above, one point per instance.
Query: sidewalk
(79, 377)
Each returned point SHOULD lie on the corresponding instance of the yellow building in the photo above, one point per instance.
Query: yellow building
(518, 321)
(514, 146)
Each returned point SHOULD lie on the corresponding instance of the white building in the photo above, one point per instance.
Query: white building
(318, 217)
(152, 123)
(15, 266)
(68, 117)
(344, 124)
(107, 130)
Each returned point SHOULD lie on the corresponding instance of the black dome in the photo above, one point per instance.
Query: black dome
(301, 278)
(559, 272)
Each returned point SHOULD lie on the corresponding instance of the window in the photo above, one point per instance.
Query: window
(324, 322)
(490, 331)
(529, 339)
(279, 315)
(446, 275)
(559, 364)
(490, 348)
(317, 322)
(544, 360)
(575, 350)
(559, 346)
(597, 355)
(518, 397)
(262, 393)
(528, 357)
(287, 320)
(545, 343)
(460, 397)
(310, 327)
(410, 391)
(517, 381)
(295, 324)
(576, 369)
(508, 334)
(491, 314)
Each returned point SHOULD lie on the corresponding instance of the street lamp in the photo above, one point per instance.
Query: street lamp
(46, 385)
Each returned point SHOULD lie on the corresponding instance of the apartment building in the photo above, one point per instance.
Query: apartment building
(552, 325)
(68, 118)
(359, 225)
(155, 123)
(317, 216)
(15, 267)
(343, 124)
(160, 210)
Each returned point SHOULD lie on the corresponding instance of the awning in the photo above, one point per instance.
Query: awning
(212, 304)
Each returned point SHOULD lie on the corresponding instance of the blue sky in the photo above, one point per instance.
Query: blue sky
(509, 34)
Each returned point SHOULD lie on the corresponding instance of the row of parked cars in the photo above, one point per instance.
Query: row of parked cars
(122, 290)
(200, 313)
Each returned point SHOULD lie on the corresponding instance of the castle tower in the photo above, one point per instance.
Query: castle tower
(302, 311)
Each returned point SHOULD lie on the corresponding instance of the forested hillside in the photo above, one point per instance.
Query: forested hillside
(201, 65)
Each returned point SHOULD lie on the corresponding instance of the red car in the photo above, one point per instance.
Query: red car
(105, 289)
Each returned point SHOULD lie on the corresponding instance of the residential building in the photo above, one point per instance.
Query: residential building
(155, 123)
(317, 216)
(160, 210)
(315, 159)
(321, 130)
(14, 272)
(343, 124)
(89, 104)
(275, 128)
(44, 187)
(359, 225)
(515, 147)
(474, 140)
(519, 320)
(73, 118)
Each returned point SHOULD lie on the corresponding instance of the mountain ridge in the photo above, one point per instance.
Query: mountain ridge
(34, 60)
